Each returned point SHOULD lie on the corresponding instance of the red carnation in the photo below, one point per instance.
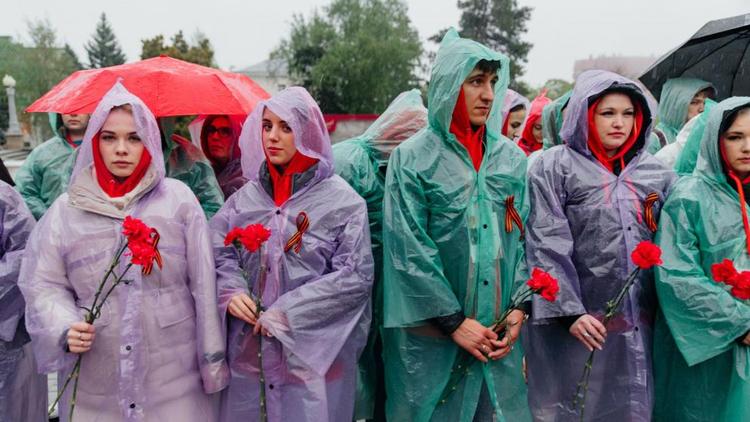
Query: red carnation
(135, 230)
(543, 284)
(646, 255)
(724, 271)
(741, 285)
(251, 237)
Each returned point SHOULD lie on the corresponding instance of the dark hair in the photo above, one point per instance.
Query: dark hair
(488, 66)
(730, 116)
(517, 107)
(5, 174)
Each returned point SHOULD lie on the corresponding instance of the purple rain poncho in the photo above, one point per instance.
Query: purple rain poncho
(230, 177)
(318, 300)
(584, 223)
(23, 393)
(159, 350)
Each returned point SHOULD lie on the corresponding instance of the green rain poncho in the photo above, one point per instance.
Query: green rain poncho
(676, 95)
(688, 156)
(362, 162)
(187, 163)
(45, 172)
(446, 249)
(552, 118)
(701, 371)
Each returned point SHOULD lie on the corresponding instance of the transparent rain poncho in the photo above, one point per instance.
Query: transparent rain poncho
(317, 300)
(362, 162)
(675, 98)
(186, 163)
(45, 172)
(159, 351)
(446, 249)
(584, 223)
(552, 118)
(23, 392)
(512, 99)
(702, 371)
(688, 156)
(230, 177)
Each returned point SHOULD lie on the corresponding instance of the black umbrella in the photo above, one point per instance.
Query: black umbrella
(719, 53)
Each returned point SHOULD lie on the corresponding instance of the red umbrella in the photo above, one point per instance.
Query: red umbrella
(170, 87)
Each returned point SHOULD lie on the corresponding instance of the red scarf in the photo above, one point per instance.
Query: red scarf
(597, 148)
(108, 182)
(282, 182)
(461, 127)
(739, 183)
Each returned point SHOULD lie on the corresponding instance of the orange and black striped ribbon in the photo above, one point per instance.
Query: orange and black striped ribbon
(512, 216)
(157, 255)
(303, 223)
(648, 206)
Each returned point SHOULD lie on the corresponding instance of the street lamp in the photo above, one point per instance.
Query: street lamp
(10, 88)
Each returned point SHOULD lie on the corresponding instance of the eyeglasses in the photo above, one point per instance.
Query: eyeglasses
(223, 131)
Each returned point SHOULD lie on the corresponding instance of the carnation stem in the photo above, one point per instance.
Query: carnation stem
(465, 360)
(612, 306)
(92, 315)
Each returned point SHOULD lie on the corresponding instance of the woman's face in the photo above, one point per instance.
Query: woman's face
(536, 130)
(515, 120)
(614, 118)
(697, 104)
(219, 139)
(278, 139)
(119, 144)
(736, 142)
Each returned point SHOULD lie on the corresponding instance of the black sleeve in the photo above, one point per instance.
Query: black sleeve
(449, 323)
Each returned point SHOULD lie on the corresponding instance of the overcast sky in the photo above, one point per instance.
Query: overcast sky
(244, 32)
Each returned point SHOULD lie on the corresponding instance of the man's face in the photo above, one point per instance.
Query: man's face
(479, 92)
(75, 122)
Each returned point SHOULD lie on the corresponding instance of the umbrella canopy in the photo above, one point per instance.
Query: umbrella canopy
(169, 87)
(718, 53)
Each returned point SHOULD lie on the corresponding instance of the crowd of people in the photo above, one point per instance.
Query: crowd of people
(389, 257)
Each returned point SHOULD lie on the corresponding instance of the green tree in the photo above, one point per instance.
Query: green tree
(73, 57)
(355, 56)
(557, 87)
(103, 49)
(500, 25)
(200, 52)
(37, 65)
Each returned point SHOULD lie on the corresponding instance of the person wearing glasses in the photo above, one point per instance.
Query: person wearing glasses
(217, 136)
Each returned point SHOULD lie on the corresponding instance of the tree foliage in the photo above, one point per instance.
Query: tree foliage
(355, 56)
(500, 25)
(103, 49)
(200, 52)
(37, 65)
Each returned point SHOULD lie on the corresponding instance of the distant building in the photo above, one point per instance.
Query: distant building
(270, 74)
(627, 66)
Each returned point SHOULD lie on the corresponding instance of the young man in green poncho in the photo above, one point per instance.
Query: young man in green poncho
(45, 172)
(453, 253)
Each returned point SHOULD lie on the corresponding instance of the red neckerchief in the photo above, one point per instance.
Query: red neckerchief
(597, 148)
(466, 136)
(282, 182)
(108, 182)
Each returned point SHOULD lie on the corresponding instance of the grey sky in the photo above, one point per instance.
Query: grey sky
(244, 32)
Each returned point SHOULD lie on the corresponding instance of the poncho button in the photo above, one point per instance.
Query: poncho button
(132, 405)
(484, 226)
(278, 212)
(128, 348)
(270, 386)
(486, 282)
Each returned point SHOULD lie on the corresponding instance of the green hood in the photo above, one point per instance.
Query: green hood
(674, 101)
(552, 119)
(455, 60)
(709, 159)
